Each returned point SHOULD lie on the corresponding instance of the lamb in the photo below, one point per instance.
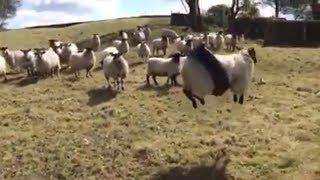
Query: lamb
(13, 58)
(184, 46)
(83, 60)
(3, 68)
(47, 62)
(144, 51)
(171, 34)
(160, 44)
(168, 67)
(29, 62)
(206, 74)
(231, 42)
(147, 32)
(95, 42)
(117, 68)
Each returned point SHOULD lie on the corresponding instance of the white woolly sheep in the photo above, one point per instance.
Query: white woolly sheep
(29, 61)
(206, 74)
(95, 42)
(219, 41)
(3, 68)
(123, 47)
(12, 57)
(138, 36)
(47, 62)
(164, 67)
(160, 44)
(66, 51)
(231, 42)
(117, 68)
(144, 51)
(171, 34)
(82, 60)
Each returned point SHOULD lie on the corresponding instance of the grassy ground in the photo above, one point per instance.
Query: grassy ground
(66, 128)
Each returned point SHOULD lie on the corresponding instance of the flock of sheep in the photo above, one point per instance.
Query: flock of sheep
(203, 73)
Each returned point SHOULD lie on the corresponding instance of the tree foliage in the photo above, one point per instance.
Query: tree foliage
(8, 9)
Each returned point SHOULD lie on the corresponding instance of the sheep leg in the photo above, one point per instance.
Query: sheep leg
(122, 84)
(58, 72)
(118, 85)
(202, 101)
(28, 72)
(153, 51)
(235, 98)
(148, 79)
(241, 100)
(155, 80)
(164, 51)
(174, 81)
(189, 95)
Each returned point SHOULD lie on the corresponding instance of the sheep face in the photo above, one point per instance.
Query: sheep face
(252, 54)
(175, 57)
(5, 50)
(117, 59)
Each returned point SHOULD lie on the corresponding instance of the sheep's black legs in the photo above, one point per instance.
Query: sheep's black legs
(235, 98)
(148, 79)
(155, 80)
(241, 99)
(122, 84)
(191, 98)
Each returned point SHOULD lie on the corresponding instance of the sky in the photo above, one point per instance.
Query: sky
(44, 12)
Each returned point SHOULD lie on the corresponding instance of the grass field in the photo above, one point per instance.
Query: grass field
(76, 129)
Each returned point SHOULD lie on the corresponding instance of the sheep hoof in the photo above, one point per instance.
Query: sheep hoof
(194, 104)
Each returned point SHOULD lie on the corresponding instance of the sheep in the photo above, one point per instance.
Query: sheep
(169, 67)
(184, 46)
(206, 74)
(123, 47)
(219, 41)
(171, 34)
(3, 68)
(12, 57)
(82, 60)
(66, 51)
(212, 39)
(117, 68)
(147, 32)
(160, 44)
(47, 62)
(144, 51)
(231, 42)
(95, 42)
(138, 36)
(29, 61)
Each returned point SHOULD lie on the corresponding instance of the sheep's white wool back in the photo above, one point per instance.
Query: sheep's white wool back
(2, 66)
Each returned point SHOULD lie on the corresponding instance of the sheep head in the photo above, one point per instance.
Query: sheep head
(25, 51)
(252, 54)
(4, 49)
(175, 57)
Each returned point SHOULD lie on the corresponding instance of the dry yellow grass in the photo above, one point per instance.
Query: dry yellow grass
(68, 129)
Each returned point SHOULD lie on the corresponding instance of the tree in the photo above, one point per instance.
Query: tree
(194, 12)
(8, 9)
(286, 6)
(250, 9)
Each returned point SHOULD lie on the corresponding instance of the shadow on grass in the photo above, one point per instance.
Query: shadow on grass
(27, 81)
(161, 90)
(11, 80)
(101, 95)
(217, 171)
